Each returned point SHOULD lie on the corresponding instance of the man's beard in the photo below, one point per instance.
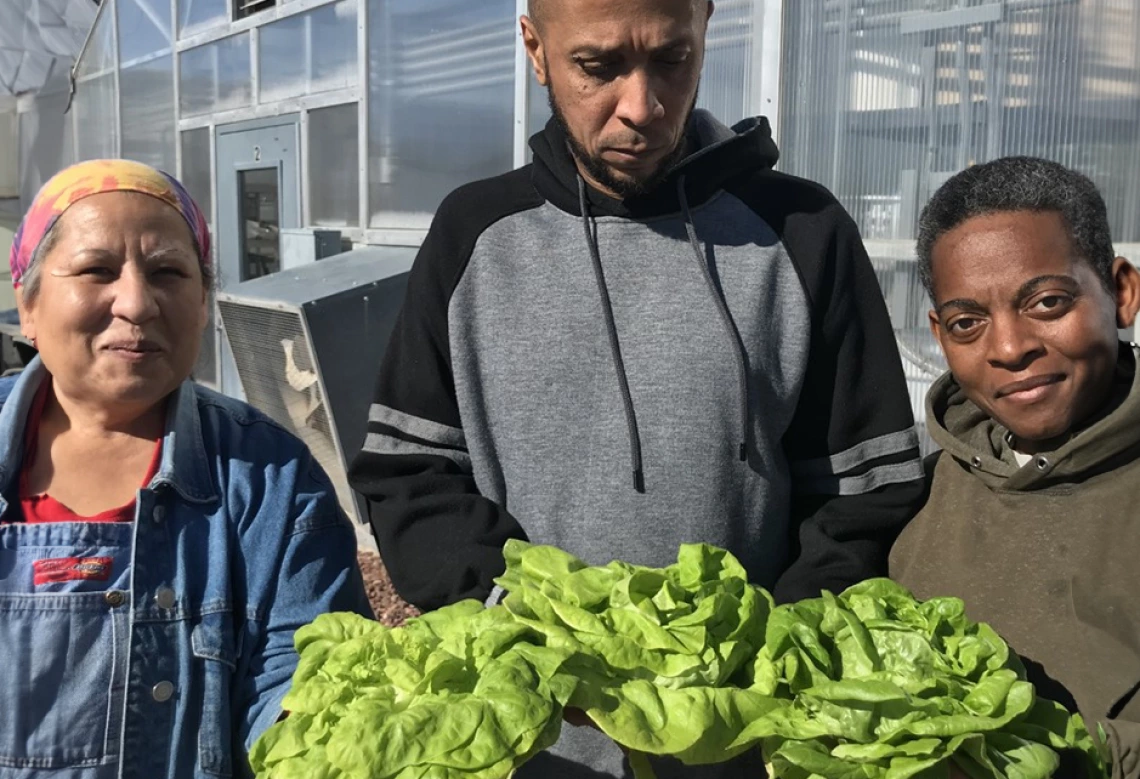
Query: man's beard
(603, 174)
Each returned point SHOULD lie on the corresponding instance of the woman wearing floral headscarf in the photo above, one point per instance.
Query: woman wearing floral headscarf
(159, 543)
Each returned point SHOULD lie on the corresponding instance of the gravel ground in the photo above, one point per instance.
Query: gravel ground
(390, 610)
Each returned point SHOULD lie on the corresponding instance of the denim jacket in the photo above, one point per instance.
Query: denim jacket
(174, 656)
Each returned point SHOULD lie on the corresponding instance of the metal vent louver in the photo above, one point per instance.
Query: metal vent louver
(307, 343)
(275, 361)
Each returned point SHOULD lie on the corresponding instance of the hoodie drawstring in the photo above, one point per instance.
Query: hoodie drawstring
(590, 228)
(725, 317)
(615, 347)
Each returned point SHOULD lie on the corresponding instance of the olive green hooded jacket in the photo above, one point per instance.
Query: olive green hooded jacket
(1047, 553)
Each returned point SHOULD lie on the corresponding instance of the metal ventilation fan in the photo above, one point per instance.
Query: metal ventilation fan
(921, 356)
(307, 344)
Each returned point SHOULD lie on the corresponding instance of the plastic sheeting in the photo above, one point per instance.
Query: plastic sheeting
(36, 33)
(334, 169)
(883, 100)
(47, 137)
(146, 83)
(216, 77)
(144, 29)
(309, 53)
(432, 61)
(195, 16)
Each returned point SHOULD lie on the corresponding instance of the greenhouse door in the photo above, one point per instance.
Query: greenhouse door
(259, 193)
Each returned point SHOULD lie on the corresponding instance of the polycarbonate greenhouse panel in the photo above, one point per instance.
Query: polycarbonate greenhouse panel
(726, 84)
(94, 106)
(334, 169)
(196, 167)
(197, 16)
(146, 92)
(98, 56)
(144, 28)
(309, 53)
(216, 76)
(883, 100)
(47, 141)
(441, 102)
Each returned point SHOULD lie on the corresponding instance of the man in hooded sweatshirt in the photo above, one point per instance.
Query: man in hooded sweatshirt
(1032, 515)
(646, 338)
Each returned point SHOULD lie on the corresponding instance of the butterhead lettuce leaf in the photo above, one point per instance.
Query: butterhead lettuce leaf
(689, 662)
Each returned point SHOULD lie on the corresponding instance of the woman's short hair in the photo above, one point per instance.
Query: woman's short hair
(1020, 184)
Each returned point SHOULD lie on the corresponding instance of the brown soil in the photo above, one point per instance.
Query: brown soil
(389, 608)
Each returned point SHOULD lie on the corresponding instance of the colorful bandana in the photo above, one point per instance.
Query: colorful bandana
(95, 177)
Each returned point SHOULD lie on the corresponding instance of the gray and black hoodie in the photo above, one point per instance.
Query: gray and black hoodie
(711, 362)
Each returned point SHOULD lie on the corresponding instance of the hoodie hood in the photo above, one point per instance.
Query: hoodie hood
(720, 153)
(969, 435)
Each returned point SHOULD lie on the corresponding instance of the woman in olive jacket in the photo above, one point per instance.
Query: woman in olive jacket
(1032, 517)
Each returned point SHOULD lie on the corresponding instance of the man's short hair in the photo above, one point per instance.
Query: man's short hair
(535, 9)
(1020, 184)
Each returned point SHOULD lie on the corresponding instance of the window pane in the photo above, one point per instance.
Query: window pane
(196, 168)
(309, 53)
(883, 116)
(335, 64)
(47, 143)
(194, 16)
(146, 93)
(334, 172)
(726, 81)
(215, 77)
(431, 62)
(261, 215)
(144, 28)
(99, 55)
(94, 108)
(282, 70)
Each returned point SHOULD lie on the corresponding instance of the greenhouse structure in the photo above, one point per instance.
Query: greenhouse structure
(352, 119)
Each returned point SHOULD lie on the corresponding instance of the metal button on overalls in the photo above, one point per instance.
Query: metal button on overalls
(163, 691)
(165, 598)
